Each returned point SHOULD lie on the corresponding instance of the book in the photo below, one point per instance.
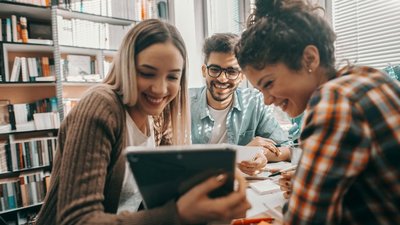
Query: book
(24, 30)
(45, 66)
(1, 29)
(78, 65)
(15, 70)
(46, 79)
(8, 30)
(24, 70)
(14, 28)
(4, 116)
(4, 162)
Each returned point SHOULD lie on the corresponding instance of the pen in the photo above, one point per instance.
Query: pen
(283, 170)
(290, 145)
(255, 178)
(251, 220)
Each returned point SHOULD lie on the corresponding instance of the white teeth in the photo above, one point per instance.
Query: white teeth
(221, 86)
(154, 100)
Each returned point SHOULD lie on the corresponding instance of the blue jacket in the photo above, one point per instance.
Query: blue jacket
(248, 117)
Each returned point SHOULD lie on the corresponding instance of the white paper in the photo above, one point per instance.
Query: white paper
(265, 187)
(277, 166)
(247, 153)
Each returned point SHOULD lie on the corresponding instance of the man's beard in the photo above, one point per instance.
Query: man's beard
(218, 97)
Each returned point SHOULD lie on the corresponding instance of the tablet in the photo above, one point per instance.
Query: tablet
(165, 173)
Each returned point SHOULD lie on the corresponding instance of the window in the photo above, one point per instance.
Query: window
(223, 16)
(368, 32)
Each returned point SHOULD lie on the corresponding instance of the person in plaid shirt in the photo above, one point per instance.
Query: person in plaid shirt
(349, 172)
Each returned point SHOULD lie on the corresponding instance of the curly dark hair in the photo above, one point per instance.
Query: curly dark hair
(219, 42)
(279, 30)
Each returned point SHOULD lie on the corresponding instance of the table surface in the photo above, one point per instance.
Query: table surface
(267, 205)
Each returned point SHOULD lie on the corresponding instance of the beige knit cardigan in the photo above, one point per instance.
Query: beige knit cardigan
(89, 168)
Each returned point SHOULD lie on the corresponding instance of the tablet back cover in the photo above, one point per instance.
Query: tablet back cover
(163, 174)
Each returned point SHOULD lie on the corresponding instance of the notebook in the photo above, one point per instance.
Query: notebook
(265, 187)
(167, 172)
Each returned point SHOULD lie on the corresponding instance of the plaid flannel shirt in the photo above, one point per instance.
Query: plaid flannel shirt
(349, 172)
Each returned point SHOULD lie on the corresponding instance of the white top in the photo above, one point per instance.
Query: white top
(130, 198)
(219, 134)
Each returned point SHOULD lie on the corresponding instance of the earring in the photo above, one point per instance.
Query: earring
(310, 70)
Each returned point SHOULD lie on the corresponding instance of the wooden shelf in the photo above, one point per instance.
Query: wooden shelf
(28, 84)
(25, 93)
(76, 89)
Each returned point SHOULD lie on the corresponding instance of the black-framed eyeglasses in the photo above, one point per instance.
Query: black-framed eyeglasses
(230, 73)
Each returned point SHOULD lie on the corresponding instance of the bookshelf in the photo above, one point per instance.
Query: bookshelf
(58, 38)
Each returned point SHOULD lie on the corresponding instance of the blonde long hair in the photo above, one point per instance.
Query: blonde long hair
(122, 74)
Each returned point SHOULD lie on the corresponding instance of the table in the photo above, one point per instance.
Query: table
(268, 205)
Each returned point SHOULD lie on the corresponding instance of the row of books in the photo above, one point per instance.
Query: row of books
(45, 3)
(32, 69)
(27, 153)
(126, 9)
(84, 33)
(38, 115)
(80, 68)
(27, 189)
(17, 29)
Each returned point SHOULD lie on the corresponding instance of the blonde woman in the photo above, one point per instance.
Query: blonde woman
(91, 183)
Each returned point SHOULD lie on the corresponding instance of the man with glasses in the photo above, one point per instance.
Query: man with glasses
(223, 113)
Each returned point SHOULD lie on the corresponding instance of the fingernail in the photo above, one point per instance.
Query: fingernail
(220, 177)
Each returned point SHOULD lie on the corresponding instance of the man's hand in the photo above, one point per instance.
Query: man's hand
(253, 167)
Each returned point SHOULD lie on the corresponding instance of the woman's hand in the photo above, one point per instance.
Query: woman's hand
(285, 182)
(253, 167)
(196, 207)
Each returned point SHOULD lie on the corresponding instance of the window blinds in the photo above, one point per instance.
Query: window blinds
(223, 16)
(368, 32)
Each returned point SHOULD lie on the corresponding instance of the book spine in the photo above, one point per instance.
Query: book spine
(5, 195)
(11, 117)
(14, 28)
(9, 157)
(24, 29)
(3, 77)
(8, 30)
(1, 29)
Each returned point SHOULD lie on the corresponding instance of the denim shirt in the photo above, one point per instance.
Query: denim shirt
(248, 117)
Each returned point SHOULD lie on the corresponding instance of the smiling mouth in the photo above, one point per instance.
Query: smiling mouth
(154, 100)
(221, 86)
